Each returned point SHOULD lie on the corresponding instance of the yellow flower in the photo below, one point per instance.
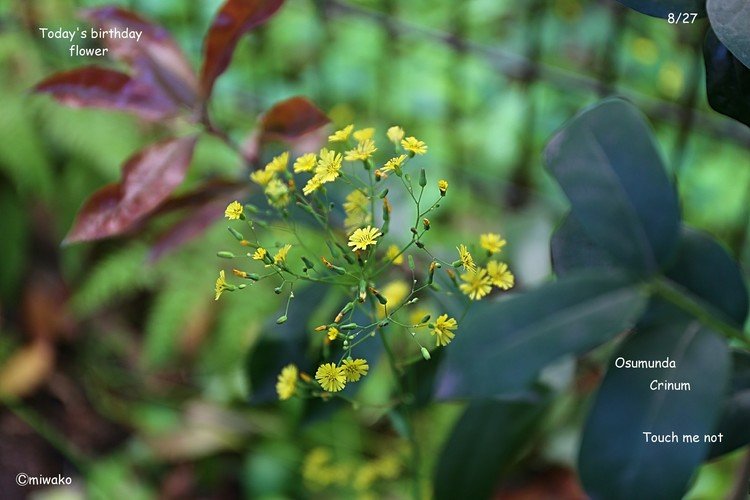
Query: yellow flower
(443, 187)
(262, 177)
(279, 163)
(312, 185)
(363, 151)
(364, 237)
(341, 135)
(476, 284)
(466, 259)
(500, 275)
(278, 193)
(355, 369)
(395, 134)
(364, 134)
(394, 163)
(443, 330)
(394, 255)
(492, 242)
(234, 211)
(331, 378)
(260, 254)
(357, 209)
(329, 166)
(280, 256)
(333, 333)
(287, 382)
(414, 145)
(305, 163)
(221, 285)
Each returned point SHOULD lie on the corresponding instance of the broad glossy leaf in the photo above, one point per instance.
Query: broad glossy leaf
(149, 177)
(156, 59)
(572, 249)
(615, 461)
(105, 88)
(607, 163)
(730, 20)
(733, 423)
(727, 80)
(291, 119)
(483, 444)
(662, 8)
(235, 18)
(501, 347)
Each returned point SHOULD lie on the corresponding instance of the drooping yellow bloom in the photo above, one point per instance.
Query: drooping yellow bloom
(394, 163)
(305, 163)
(476, 284)
(221, 285)
(364, 134)
(262, 177)
(357, 209)
(278, 193)
(492, 242)
(395, 134)
(466, 259)
(355, 369)
(279, 163)
(286, 383)
(362, 151)
(500, 275)
(280, 256)
(312, 185)
(234, 211)
(260, 254)
(414, 145)
(443, 330)
(341, 135)
(331, 378)
(333, 333)
(362, 238)
(394, 255)
(443, 187)
(329, 166)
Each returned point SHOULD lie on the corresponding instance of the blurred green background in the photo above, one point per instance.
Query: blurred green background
(130, 377)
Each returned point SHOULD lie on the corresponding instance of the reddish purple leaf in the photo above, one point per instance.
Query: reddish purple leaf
(235, 18)
(149, 177)
(105, 88)
(155, 58)
(291, 119)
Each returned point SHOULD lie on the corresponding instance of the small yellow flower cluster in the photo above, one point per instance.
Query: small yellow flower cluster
(333, 378)
(320, 470)
(477, 282)
(276, 189)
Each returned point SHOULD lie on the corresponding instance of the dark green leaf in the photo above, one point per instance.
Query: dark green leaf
(727, 80)
(730, 20)
(615, 461)
(662, 8)
(488, 438)
(733, 423)
(500, 349)
(573, 250)
(607, 163)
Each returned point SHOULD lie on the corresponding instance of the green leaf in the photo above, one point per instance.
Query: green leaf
(727, 80)
(500, 349)
(730, 20)
(572, 250)
(488, 438)
(607, 163)
(615, 461)
(662, 8)
(736, 410)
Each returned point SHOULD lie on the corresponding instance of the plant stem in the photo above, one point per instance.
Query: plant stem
(739, 490)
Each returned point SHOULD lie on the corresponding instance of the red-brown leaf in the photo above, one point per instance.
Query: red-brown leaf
(105, 88)
(155, 59)
(291, 119)
(235, 18)
(149, 177)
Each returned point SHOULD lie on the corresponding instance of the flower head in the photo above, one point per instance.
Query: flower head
(476, 284)
(234, 211)
(394, 255)
(492, 242)
(354, 369)
(312, 185)
(364, 134)
(442, 187)
(500, 275)
(414, 145)
(329, 166)
(262, 177)
(443, 330)
(362, 238)
(260, 253)
(395, 134)
(331, 378)
(333, 333)
(364, 150)
(279, 163)
(286, 383)
(357, 209)
(394, 164)
(221, 285)
(278, 193)
(305, 163)
(280, 256)
(466, 259)
(341, 135)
